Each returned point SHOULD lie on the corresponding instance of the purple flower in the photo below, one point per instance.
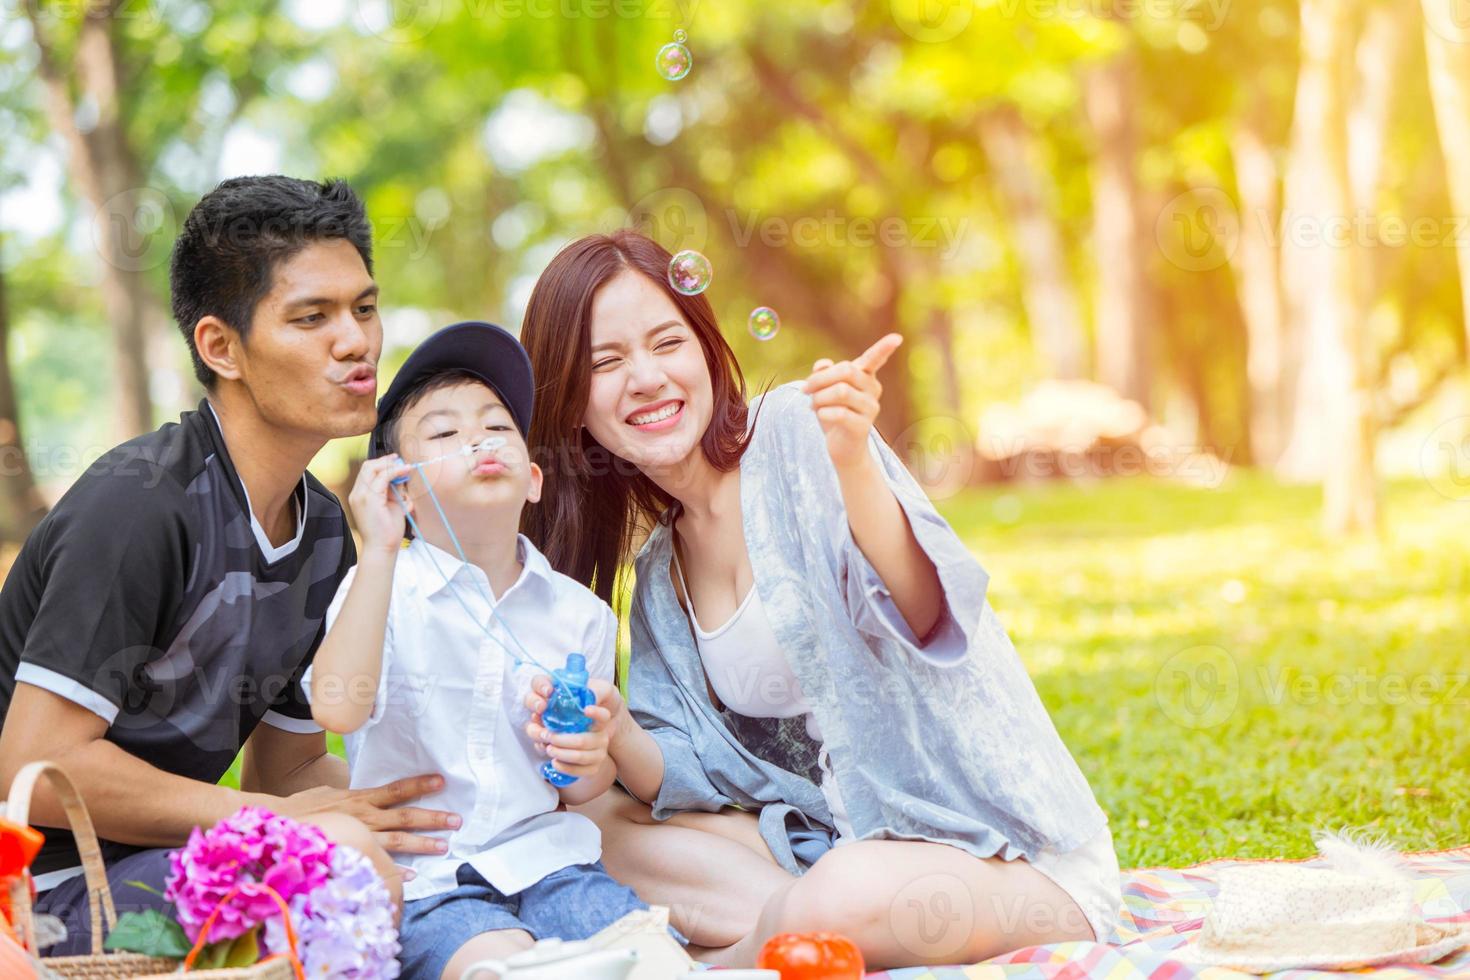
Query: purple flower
(344, 927)
(253, 847)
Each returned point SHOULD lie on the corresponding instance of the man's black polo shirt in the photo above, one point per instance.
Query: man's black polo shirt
(151, 597)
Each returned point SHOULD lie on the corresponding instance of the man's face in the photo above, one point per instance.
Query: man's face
(310, 360)
(446, 422)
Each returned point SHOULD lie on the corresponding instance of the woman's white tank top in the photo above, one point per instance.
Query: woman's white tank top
(752, 677)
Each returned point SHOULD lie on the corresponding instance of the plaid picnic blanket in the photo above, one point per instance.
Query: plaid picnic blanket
(1163, 908)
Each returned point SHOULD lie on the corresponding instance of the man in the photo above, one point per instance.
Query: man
(171, 601)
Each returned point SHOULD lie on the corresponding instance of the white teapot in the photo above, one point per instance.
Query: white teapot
(553, 959)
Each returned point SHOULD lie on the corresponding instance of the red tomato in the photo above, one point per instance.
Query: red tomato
(812, 956)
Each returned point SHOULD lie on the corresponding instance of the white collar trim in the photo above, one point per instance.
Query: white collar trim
(271, 552)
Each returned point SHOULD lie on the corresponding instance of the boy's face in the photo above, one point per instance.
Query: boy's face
(445, 421)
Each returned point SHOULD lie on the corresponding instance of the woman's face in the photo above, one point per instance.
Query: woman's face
(650, 399)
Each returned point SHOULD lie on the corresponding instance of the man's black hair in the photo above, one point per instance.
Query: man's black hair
(233, 239)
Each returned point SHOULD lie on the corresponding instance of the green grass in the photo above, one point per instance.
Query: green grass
(1176, 636)
(1337, 670)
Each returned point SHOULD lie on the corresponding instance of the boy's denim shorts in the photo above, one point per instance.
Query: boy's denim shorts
(573, 903)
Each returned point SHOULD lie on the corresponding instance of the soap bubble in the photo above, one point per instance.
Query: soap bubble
(681, 35)
(673, 61)
(763, 323)
(690, 273)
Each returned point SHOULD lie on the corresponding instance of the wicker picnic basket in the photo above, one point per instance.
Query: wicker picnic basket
(99, 965)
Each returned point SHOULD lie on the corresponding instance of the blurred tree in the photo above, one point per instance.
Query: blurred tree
(1333, 427)
(1120, 230)
(1026, 183)
(1447, 40)
(85, 104)
(21, 504)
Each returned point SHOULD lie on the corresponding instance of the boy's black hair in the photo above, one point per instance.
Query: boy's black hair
(232, 240)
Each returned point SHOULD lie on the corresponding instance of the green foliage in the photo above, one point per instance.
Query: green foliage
(151, 933)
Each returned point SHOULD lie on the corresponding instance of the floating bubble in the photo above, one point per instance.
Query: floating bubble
(681, 35)
(763, 323)
(673, 61)
(690, 273)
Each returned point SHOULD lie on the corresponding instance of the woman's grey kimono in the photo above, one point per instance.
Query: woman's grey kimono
(946, 742)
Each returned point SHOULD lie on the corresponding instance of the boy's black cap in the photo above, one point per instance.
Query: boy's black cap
(485, 350)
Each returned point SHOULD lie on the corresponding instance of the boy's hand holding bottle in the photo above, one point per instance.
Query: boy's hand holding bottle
(575, 754)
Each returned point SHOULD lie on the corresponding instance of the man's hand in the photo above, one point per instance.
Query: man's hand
(580, 753)
(396, 827)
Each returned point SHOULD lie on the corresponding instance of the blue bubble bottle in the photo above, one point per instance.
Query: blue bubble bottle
(564, 709)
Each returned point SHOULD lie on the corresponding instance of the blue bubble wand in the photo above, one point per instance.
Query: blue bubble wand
(570, 694)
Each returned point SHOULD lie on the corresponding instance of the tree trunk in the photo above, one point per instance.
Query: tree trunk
(106, 169)
(1046, 288)
(1257, 266)
(1124, 347)
(1447, 41)
(1379, 62)
(1333, 428)
(21, 504)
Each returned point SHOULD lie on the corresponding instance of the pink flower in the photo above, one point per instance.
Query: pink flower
(252, 848)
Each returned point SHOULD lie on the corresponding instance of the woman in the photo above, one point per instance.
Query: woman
(810, 643)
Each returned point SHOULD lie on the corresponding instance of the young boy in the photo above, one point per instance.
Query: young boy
(420, 676)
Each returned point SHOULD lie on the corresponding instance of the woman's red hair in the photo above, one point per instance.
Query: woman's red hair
(593, 503)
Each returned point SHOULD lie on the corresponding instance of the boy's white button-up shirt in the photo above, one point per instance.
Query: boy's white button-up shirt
(450, 700)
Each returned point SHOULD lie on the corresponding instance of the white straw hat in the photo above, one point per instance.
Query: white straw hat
(1357, 912)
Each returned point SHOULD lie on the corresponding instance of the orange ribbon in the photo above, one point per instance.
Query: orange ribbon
(290, 953)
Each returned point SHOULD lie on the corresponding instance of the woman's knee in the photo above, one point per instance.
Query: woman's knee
(840, 893)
